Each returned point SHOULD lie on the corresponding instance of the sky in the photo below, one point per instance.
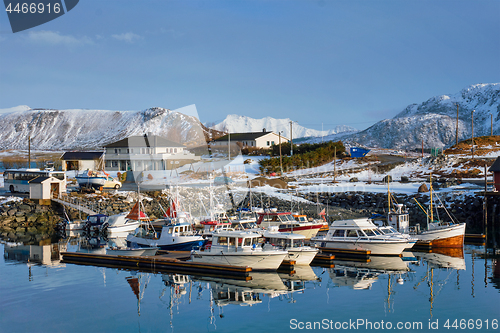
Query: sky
(320, 63)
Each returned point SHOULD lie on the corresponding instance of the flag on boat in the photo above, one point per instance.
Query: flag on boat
(136, 214)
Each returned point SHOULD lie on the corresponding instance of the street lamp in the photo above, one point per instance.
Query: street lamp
(472, 126)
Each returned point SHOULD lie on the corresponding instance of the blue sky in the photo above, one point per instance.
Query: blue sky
(316, 62)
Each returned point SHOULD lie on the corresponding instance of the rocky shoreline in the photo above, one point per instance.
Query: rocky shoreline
(27, 221)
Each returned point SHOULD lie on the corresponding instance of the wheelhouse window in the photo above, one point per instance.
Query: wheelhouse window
(352, 233)
(339, 233)
(222, 240)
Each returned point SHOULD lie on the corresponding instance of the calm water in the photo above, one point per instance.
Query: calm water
(45, 295)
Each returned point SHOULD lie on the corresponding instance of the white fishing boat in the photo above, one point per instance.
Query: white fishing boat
(124, 222)
(440, 233)
(240, 248)
(293, 243)
(362, 234)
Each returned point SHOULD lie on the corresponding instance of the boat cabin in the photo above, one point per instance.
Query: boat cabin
(230, 241)
(274, 218)
(285, 241)
(301, 218)
(399, 219)
(210, 226)
(356, 228)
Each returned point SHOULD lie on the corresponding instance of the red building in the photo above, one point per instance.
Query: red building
(495, 168)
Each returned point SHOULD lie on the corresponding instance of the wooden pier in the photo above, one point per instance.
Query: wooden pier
(174, 261)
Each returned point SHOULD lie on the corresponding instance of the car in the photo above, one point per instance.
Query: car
(112, 183)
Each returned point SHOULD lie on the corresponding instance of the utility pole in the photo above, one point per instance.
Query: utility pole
(472, 138)
(457, 127)
(491, 114)
(29, 151)
(281, 164)
(229, 145)
(291, 139)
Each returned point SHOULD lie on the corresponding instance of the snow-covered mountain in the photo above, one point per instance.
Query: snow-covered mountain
(241, 124)
(434, 121)
(91, 129)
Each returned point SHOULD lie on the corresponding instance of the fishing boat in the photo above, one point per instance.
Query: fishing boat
(363, 235)
(293, 243)
(287, 223)
(124, 222)
(440, 233)
(174, 236)
(240, 248)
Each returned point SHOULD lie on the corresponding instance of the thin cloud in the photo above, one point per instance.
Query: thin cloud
(128, 37)
(56, 38)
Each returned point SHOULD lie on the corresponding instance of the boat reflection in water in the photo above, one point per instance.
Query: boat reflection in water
(440, 260)
(361, 275)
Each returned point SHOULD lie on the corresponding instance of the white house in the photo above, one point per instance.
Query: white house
(146, 152)
(251, 139)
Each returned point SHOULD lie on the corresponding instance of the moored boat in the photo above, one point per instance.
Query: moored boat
(293, 243)
(240, 248)
(175, 236)
(287, 223)
(363, 235)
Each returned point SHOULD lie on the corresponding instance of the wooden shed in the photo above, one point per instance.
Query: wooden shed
(45, 188)
(495, 168)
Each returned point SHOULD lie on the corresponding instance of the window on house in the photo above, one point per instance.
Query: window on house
(272, 143)
(267, 143)
(175, 150)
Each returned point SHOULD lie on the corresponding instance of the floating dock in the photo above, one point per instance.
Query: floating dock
(346, 254)
(323, 260)
(174, 261)
(475, 239)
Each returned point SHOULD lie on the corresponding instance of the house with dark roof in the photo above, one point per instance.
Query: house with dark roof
(45, 188)
(146, 152)
(495, 168)
(82, 160)
(251, 139)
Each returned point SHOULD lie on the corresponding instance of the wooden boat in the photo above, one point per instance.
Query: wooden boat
(240, 248)
(362, 235)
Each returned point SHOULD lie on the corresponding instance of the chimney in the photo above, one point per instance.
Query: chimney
(264, 130)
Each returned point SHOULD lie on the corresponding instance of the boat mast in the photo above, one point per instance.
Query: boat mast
(432, 214)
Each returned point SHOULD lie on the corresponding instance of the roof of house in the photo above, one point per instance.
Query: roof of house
(144, 141)
(496, 166)
(40, 179)
(245, 136)
(82, 155)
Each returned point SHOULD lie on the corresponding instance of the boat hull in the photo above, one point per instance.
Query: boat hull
(302, 256)
(375, 247)
(123, 228)
(186, 243)
(449, 236)
(132, 252)
(255, 260)
(94, 182)
(307, 231)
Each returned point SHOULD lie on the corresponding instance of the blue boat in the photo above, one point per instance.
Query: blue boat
(357, 152)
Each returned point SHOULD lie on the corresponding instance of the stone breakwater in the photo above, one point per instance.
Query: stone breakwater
(464, 208)
(27, 221)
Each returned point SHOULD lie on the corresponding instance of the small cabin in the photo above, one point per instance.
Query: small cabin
(45, 188)
(495, 168)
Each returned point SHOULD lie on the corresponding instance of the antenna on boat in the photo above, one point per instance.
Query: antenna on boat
(430, 181)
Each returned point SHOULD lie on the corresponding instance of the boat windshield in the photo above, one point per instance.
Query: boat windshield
(286, 218)
(351, 233)
(339, 233)
(369, 232)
